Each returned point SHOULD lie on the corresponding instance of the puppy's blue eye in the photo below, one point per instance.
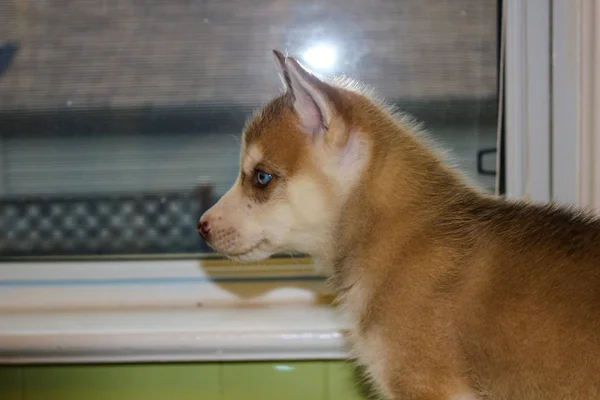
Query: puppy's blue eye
(262, 179)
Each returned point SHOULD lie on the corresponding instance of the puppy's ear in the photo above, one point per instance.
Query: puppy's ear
(310, 101)
(282, 69)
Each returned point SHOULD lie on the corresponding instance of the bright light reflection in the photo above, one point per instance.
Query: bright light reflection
(320, 57)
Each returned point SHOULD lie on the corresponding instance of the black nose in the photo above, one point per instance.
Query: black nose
(204, 229)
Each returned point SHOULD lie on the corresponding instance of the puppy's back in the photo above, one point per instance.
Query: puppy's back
(529, 317)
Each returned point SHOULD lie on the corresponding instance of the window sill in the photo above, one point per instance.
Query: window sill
(172, 335)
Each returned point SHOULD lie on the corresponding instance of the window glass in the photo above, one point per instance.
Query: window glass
(120, 120)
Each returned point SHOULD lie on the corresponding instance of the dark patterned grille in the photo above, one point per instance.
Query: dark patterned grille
(103, 225)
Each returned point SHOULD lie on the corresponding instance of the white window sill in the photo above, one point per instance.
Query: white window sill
(165, 311)
(172, 335)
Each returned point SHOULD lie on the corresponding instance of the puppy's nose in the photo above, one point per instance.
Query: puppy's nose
(204, 228)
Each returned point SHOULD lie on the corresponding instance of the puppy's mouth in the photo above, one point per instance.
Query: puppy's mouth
(251, 253)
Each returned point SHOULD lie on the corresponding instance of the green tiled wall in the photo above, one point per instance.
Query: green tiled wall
(320, 380)
(11, 383)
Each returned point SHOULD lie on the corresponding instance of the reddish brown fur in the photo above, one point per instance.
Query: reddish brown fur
(453, 292)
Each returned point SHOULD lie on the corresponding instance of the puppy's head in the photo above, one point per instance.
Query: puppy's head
(300, 159)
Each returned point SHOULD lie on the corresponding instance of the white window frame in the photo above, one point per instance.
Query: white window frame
(552, 101)
(552, 137)
(576, 102)
(528, 113)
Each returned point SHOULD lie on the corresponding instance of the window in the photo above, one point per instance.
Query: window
(120, 121)
(120, 124)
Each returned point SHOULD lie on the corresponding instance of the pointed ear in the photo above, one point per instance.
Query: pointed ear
(310, 101)
(282, 69)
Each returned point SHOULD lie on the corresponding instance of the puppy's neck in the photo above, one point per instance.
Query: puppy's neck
(404, 186)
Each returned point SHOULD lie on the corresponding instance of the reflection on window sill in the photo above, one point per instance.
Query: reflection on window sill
(183, 283)
(169, 335)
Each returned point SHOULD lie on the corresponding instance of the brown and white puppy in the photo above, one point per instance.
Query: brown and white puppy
(452, 293)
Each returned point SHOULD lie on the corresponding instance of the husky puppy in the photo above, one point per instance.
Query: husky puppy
(451, 293)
